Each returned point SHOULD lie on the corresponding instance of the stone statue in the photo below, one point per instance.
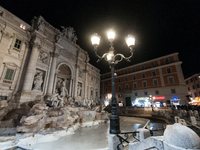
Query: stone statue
(79, 89)
(75, 39)
(71, 33)
(37, 82)
(64, 92)
(58, 37)
(57, 101)
(40, 24)
(64, 31)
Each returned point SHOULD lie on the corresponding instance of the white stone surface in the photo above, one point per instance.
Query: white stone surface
(149, 143)
(181, 136)
(143, 134)
(113, 141)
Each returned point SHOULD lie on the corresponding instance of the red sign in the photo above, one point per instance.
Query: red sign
(159, 97)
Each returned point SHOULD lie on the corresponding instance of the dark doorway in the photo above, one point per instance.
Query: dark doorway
(128, 101)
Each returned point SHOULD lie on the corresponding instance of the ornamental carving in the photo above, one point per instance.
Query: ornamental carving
(80, 73)
(43, 57)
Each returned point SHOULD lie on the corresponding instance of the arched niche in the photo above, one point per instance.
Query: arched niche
(63, 79)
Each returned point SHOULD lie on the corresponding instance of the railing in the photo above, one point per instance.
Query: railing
(125, 137)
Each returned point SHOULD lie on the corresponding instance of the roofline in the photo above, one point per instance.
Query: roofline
(144, 62)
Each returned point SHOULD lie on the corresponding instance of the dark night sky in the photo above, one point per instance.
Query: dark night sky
(161, 27)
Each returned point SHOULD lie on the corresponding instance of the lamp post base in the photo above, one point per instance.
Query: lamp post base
(114, 124)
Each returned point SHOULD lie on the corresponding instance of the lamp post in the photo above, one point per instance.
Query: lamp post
(151, 100)
(110, 57)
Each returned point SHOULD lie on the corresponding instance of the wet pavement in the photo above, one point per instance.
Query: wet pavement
(95, 137)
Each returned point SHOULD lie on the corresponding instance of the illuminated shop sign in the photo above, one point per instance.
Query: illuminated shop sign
(158, 97)
(141, 98)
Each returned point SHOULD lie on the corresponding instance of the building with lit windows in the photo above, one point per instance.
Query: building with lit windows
(193, 87)
(159, 79)
(38, 61)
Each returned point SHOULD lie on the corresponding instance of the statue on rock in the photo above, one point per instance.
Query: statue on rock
(64, 92)
(57, 100)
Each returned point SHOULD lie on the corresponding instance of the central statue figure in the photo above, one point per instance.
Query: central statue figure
(64, 92)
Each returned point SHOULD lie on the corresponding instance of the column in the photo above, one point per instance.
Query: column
(86, 82)
(70, 87)
(30, 71)
(76, 80)
(52, 73)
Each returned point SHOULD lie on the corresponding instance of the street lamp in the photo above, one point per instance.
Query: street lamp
(110, 57)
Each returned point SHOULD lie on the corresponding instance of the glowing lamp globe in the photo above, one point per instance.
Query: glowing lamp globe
(111, 35)
(95, 39)
(130, 41)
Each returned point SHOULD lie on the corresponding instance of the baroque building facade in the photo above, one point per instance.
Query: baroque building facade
(193, 85)
(160, 80)
(38, 60)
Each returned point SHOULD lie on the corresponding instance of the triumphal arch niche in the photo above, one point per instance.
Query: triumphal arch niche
(64, 81)
(39, 61)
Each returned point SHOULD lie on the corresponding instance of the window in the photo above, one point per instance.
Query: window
(142, 67)
(155, 82)
(96, 94)
(106, 83)
(126, 79)
(22, 26)
(195, 94)
(91, 92)
(188, 88)
(169, 70)
(125, 71)
(106, 89)
(193, 87)
(152, 64)
(126, 86)
(134, 85)
(118, 73)
(9, 74)
(3, 97)
(170, 80)
(143, 75)
(136, 94)
(166, 61)
(153, 73)
(173, 90)
(191, 80)
(186, 82)
(157, 92)
(134, 77)
(195, 78)
(17, 44)
(118, 80)
(119, 87)
(144, 83)
(145, 93)
(197, 85)
(133, 69)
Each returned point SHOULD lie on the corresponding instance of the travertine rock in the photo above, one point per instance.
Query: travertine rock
(42, 117)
